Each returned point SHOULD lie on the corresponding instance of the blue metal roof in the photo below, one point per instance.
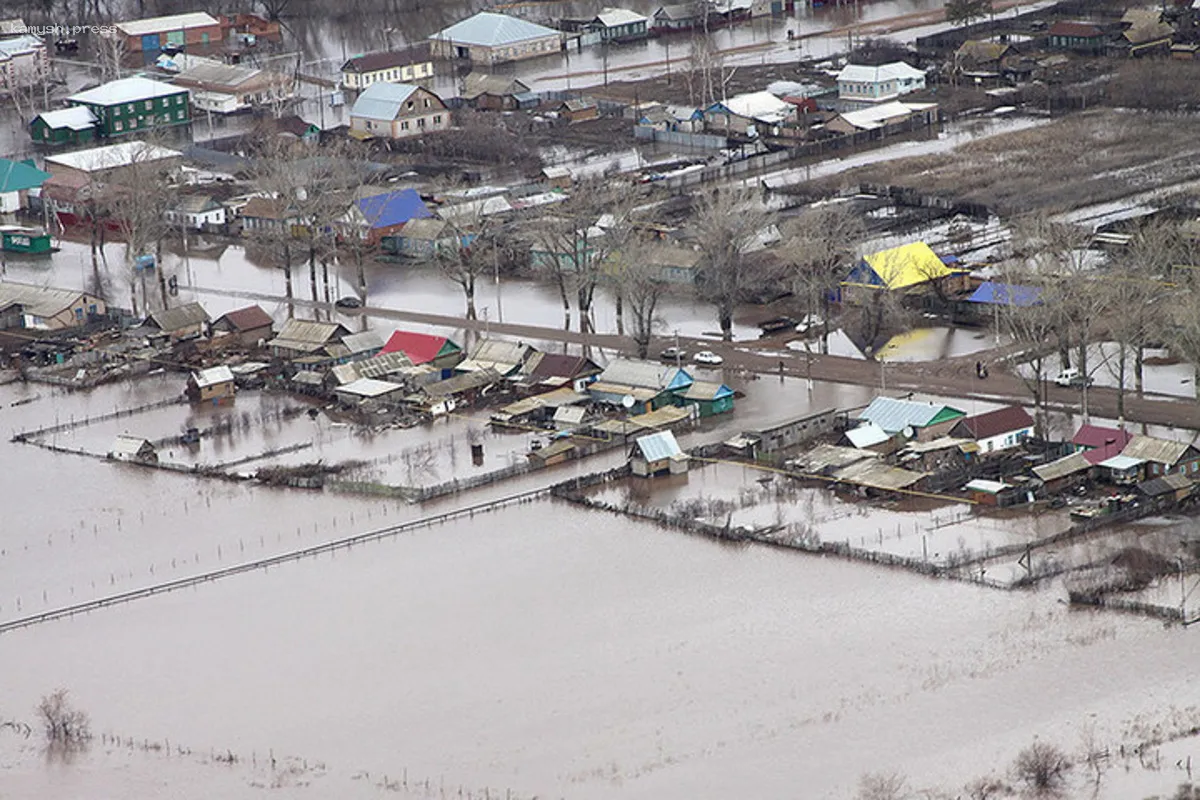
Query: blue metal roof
(488, 29)
(382, 101)
(658, 446)
(893, 416)
(16, 176)
(1006, 294)
(393, 208)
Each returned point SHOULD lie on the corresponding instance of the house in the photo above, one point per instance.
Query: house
(620, 25)
(1098, 443)
(859, 83)
(229, 88)
(397, 111)
(267, 215)
(214, 384)
(424, 348)
(905, 268)
(110, 163)
(245, 327)
(992, 431)
(289, 126)
(369, 391)
(557, 177)
(1169, 488)
(133, 448)
(914, 419)
(48, 309)
(1078, 37)
(492, 92)
(752, 114)
(385, 214)
(987, 300)
(709, 398)
(441, 397)
(578, 110)
(559, 369)
(504, 358)
(24, 61)
(134, 105)
(361, 345)
(674, 263)
(639, 386)
(679, 17)
(979, 55)
(182, 322)
(74, 126)
(196, 211)
(408, 65)
(300, 338)
(1063, 473)
(1163, 456)
(657, 453)
(1147, 34)
(16, 179)
(422, 238)
(490, 38)
(1121, 470)
(556, 452)
(883, 116)
(196, 30)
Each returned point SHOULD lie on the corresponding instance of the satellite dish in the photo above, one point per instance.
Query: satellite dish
(628, 401)
(909, 432)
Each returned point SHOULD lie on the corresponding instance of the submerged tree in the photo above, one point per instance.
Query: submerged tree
(63, 723)
(640, 286)
(822, 244)
(729, 226)
(1042, 769)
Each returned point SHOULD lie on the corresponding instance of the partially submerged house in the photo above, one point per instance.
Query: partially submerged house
(657, 453)
(784, 434)
(992, 431)
(309, 344)
(187, 321)
(710, 398)
(215, 385)
(639, 385)
(911, 418)
(24, 305)
(491, 38)
(133, 448)
(408, 65)
(505, 358)
(386, 214)
(559, 369)
(908, 268)
(244, 327)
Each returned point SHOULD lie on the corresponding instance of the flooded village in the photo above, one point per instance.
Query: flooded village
(562, 400)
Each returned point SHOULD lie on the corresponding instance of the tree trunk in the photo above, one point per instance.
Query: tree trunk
(1064, 352)
(133, 302)
(325, 278)
(312, 278)
(360, 269)
(469, 290)
(621, 317)
(725, 317)
(1139, 359)
(1122, 360)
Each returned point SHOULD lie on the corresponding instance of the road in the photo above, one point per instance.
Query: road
(950, 378)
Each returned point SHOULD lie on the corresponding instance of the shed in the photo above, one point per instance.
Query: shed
(578, 110)
(506, 358)
(1122, 470)
(213, 384)
(784, 433)
(1168, 487)
(1064, 472)
(557, 177)
(870, 436)
(362, 345)
(247, 327)
(569, 417)
(554, 453)
(182, 322)
(368, 390)
(133, 448)
(655, 454)
(988, 493)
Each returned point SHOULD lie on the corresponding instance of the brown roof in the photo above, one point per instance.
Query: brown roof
(560, 365)
(994, 423)
(371, 62)
(1077, 30)
(264, 208)
(247, 319)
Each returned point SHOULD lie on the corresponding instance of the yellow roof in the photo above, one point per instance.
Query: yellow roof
(907, 265)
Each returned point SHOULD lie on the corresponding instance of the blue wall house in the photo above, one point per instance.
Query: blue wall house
(650, 385)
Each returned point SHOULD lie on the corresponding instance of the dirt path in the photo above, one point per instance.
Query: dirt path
(949, 378)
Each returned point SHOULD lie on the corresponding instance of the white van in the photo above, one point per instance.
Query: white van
(1072, 377)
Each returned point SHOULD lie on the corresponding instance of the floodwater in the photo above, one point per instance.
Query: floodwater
(1163, 375)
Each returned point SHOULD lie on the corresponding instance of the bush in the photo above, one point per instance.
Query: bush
(881, 786)
(63, 723)
(1042, 769)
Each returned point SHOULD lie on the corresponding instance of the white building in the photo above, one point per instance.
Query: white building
(23, 61)
(197, 211)
(489, 38)
(863, 84)
(750, 114)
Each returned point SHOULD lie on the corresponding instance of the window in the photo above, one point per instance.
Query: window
(427, 102)
(410, 105)
(404, 125)
(92, 308)
(421, 122)
(179, 114)
(79, 313)
(149, 105)
(129, 108)
(437, 119)
(178, 99)
(117, 126)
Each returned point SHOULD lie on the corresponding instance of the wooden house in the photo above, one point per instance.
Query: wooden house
(1167, 488)
(1078, 37)
(556, 452)
(709, 398)
(655, 454)
(578, 110)
(1001, 429)
(187, 321)
(245, 327)
(213, 385)
(133, 448)
(1164, 456)
(424, 348)
(913, 419)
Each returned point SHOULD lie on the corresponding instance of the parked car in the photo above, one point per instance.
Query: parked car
(673, 354)
(1072, 378)
(708, 357)
(348, 302)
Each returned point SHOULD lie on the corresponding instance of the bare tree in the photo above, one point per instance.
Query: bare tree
(1032, 323)
(640, 285)
(474, 252)
(110, 55)
(63, 723)
(1042, 769)
(882, 786)
(821, 247)
(728, 225)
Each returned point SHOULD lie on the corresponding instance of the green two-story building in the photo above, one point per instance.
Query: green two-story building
(118, 108)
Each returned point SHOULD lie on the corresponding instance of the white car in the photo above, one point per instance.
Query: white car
(708, 357)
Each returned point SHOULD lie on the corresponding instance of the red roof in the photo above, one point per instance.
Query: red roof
(1075, 30)
(1101, 443)
(421, 348)
(994, 423)
(247, 319)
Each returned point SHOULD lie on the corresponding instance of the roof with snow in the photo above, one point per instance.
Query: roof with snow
(615, 17)
(488, 29)
(77, 118)
(861, 73)
(125, 90)
(213, 376)
(762, 106)
(175, 22)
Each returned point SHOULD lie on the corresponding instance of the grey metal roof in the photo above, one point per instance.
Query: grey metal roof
(1121, 462)
(1160, 451)
(1063, 467)
(174, 22)
(488, 29)
(176, 319)
(639, 374)
(38, 301)
(462, 383)
(658, 446)
(382, 101)
(895, 415)
(368, 388)
(308, 332)
(866, 435)
(876, 474)
(363, 342)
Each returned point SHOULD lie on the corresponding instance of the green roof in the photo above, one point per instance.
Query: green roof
(16, 176)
